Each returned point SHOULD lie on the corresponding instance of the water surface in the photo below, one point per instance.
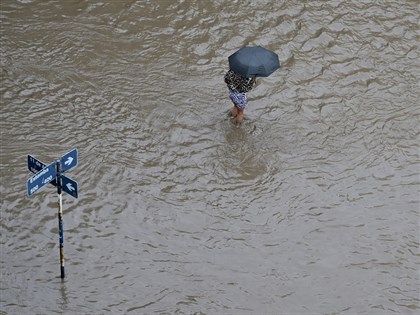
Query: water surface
(310, 207)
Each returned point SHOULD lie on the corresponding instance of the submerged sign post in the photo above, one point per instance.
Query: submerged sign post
(52, 174)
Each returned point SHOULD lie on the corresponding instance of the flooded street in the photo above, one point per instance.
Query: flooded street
(310, 207)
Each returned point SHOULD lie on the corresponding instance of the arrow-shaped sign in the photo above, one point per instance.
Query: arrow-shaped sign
(68, 160)
(69, 186)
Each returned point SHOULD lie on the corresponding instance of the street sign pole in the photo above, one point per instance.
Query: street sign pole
(53, 174)
(60, 219)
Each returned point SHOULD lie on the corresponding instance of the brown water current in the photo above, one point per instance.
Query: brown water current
(310, 207)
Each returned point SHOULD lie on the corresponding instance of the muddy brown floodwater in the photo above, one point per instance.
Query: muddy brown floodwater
(310, 207)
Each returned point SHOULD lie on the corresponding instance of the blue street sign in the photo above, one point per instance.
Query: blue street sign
(69, 186)
(35, 165)
(68, 160)
(40, 179)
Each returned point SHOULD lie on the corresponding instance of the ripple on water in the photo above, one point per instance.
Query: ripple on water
(180, 210)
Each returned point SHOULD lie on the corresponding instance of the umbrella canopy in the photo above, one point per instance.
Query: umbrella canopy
(252, 61)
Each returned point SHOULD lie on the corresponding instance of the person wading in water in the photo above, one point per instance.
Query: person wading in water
(238, 86)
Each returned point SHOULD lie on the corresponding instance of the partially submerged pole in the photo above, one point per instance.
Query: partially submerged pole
(60, 219)
(52, 173)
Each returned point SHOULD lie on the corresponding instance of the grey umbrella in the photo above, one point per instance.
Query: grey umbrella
(252, 61)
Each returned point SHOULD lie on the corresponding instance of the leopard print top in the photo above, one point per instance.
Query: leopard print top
(238, 83)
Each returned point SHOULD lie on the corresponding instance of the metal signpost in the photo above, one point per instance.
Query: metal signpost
(52, 174)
